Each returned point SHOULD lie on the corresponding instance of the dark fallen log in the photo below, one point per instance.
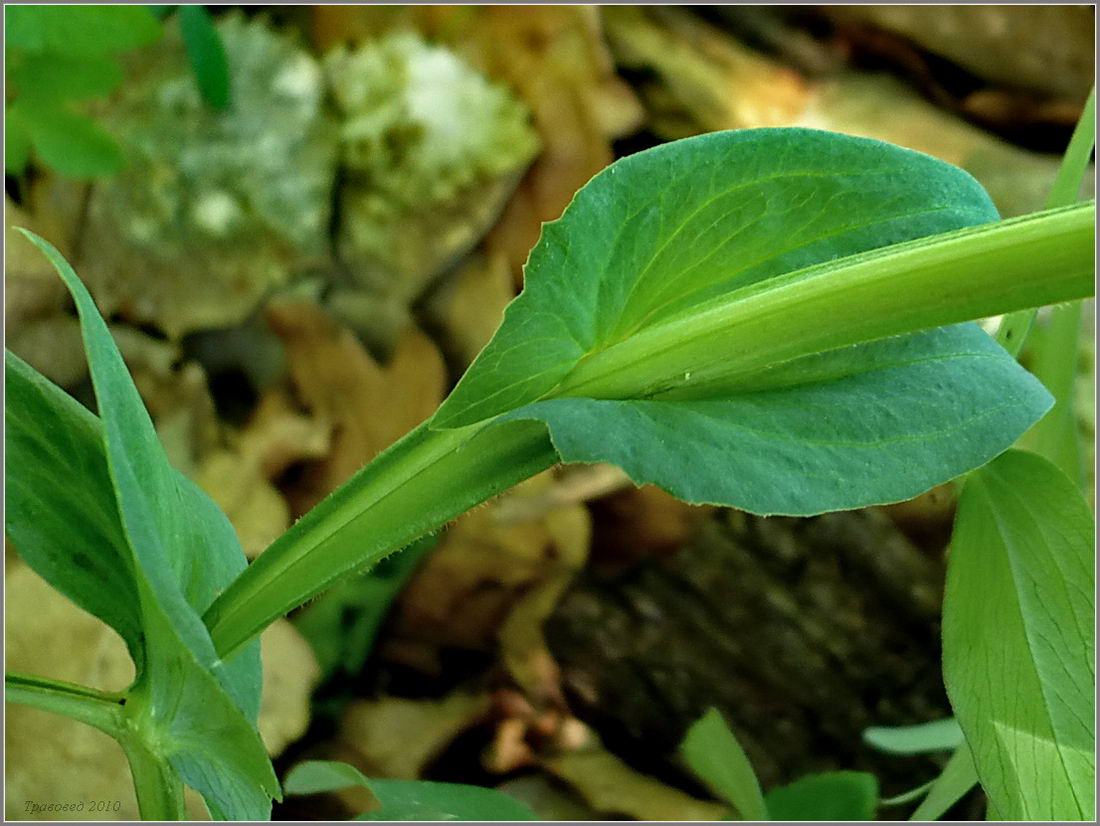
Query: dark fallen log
(803, 632)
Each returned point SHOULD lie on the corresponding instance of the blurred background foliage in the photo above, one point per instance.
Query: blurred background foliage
(303, 222)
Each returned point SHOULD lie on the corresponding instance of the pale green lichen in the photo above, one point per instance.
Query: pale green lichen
(214, 208)
(431, 150)
(420, 124)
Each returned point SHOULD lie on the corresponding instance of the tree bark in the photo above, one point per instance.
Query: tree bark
(803, 632)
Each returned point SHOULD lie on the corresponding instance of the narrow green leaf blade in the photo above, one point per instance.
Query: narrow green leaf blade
(957, 778)
(864, 425)
(665, 230)
(843, 795)
(937, 735)
(408, 799)
(713, 753)
(206, 52)
(1019, 639)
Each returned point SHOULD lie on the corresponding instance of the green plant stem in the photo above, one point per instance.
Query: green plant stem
(432, 476)
(158, 787)
(426, 479)
(973, 273)
(1053, 360)
(96, 708)
(1015, 327)
(159, 790)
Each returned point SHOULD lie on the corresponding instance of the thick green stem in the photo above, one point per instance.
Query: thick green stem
(430, 476)
(96, 708)
(418, 484)
(960, 276)
(1015, 327)
(158, 787)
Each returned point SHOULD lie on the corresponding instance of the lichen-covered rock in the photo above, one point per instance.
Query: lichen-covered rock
(214, 207)
(431, 151)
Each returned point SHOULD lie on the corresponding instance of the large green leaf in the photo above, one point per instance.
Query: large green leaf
(657, 236)
(1018, 637)
(408, 799)
(79, 30)
(713, 753)
(61, 511)
(180, 550)
(844, 429)
(71, 144)
(836, 796)
(56, 78)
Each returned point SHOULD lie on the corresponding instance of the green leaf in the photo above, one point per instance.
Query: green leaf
(161, 12)
(844, 429)
(17, 141)
(408, 799)
(937, 735)
(1053, 359)
(713, 753)
(1018, 637)
(667, 229)
(206, 52)
(957, 778)
(657, 239)
(49, 78)
(187, 706)
(427, 800)
(61, 512)
(70, 144)
(843, 795)
(79, 30)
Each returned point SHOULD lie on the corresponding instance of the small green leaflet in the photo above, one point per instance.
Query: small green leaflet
(167, 546)
(206, 52)
(658, 235)
(1018, 637)
(835, 796)
(408, 799)
(51, 61)
(714, 754)
(957, 778)
(937, 735)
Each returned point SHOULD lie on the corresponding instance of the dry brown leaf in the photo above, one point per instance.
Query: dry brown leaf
(1045, 47)
(366, 406)
(640, 522)
(464, 593)
(610, 786)
(240, 478)
(524, 651)
(290, 675)
(398, 737)
(705, 80)
(469, 307)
